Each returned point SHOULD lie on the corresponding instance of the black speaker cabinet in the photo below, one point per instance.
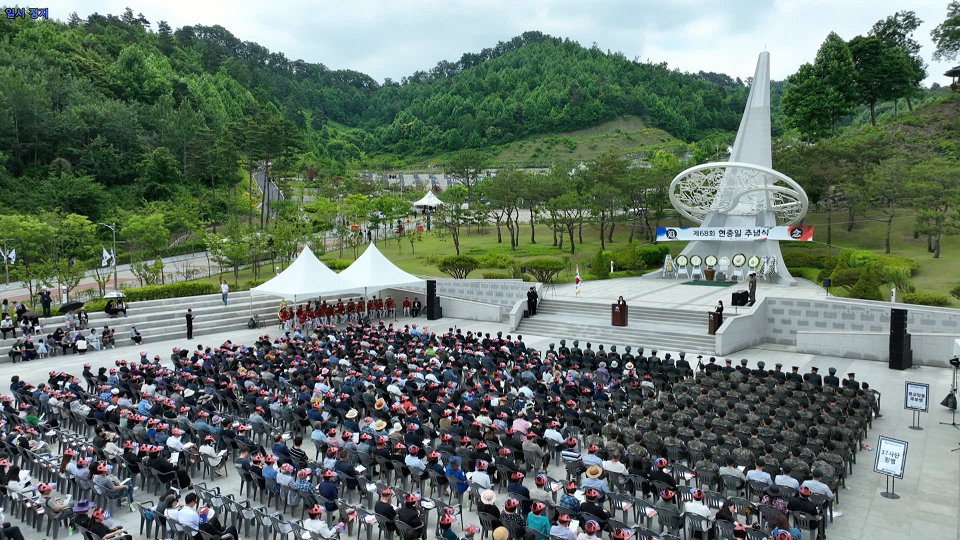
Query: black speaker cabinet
(901, 355)
(433, 303)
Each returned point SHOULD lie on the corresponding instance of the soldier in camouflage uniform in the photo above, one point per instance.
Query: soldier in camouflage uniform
(636, 448)
(707, 463)
(610, 427)
(742, 455)
(798, 466)
(652, 441)
(593, 438)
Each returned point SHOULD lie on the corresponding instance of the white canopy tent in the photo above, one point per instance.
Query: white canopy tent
(373, 272)
(306, 278)
(429, 200)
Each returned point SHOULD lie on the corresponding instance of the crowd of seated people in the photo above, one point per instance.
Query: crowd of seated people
(723, 450)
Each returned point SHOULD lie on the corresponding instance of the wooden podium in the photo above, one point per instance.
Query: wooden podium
(618, 314)
(712, 319)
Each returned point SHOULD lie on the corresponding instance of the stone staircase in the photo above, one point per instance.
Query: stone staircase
(663, 329)
(159, 320)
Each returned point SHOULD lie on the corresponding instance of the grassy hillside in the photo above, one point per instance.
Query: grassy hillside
(624, 135)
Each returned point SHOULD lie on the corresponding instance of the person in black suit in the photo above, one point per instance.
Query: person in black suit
(532, 298)
(778, 373)
(718, 309)
(189, 317)
(728, 368)
(813, 377)
(621, 301)
(832, 379)
(851, 382)
(794, 375)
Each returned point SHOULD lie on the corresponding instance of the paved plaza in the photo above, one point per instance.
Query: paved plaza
(930, 494)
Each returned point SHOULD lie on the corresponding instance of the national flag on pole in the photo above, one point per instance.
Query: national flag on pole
(578, 281)
(106, 256)
(12, 256)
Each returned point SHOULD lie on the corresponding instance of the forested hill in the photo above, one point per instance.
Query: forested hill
(123, 100)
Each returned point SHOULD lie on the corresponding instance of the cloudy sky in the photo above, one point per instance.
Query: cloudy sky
(395, 38)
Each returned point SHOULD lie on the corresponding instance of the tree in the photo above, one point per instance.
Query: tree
(882, 72)
(467, 166)
(145, 234)
(946, 35)
(934, 183)
(159, 175)
(883, 191)
(818, 95)
(505, 193)
(23, 232)
(897, 31)
(452, 215)
(604, 176)
(569, 210)
(458, 266)
(165, 38)
(544, 269)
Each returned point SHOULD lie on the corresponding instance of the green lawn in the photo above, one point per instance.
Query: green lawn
(934, 275)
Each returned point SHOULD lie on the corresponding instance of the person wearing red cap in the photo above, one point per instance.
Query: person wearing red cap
(55, 505)
(385, 508)
(328, 488)
(412, 514)
(97, 526)
(315, 524)
(801, 503)
(208, 449)
(168, 471)
(783, 526)
(698, 507)
(111, 485)
(562, 528)
(536, 518)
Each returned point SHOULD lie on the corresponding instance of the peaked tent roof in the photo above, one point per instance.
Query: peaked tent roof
(307, 278)
(429, 200)
(372, 271)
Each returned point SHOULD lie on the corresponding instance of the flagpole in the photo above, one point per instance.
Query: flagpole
(6, 267)
(113, 227)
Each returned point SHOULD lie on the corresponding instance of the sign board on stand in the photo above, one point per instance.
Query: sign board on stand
(891, 461)
(916, 398)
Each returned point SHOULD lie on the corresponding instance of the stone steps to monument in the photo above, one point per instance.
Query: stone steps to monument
(164, 319)
(692, 344)
(636, 313)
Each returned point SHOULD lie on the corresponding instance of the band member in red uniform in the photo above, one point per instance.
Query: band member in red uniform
(341, 311)
(379, 308)
(372, 307)
(406, 306)
(331, 314)
(361, 309)
(351, 309)
(391, 309)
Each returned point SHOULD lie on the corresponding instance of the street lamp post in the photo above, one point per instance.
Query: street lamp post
(113, 227)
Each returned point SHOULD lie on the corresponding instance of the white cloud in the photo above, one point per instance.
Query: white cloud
(394, 39)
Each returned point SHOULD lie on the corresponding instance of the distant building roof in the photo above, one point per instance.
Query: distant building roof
(955, 72)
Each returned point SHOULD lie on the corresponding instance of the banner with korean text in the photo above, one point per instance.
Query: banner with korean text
(803, 233)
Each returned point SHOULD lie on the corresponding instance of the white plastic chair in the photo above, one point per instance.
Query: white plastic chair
(682, 267)
(697, 263)
(668, 267)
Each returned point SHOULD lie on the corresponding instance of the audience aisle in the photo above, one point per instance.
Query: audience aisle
(929, 492)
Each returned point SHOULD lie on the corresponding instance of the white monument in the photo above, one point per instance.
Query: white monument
(742, 193)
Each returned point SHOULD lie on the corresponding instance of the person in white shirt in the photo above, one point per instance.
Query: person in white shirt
(208, 449)
(816, 485)
(93, 340)
(759, 475)
(224, 289)
(697, 507)
(174, 443)
(786, 480)
(613, 465)
(319, 526)
(188, 516)
(480, 475)
(552, 433)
